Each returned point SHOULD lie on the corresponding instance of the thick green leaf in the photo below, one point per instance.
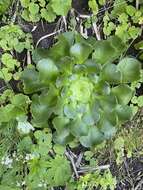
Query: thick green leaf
(95, 111)
(124, 113)
(123, 93)
(81, 90)
(78, 127)
(60, 123)
(106, 128)
(31, 81)
(20, 100)
(110, 74)
(24, 127)
(130, 69)
(80, 52)
(93, 138)
(49, 97)
(64, 137)
(92, 66)
(47, 70)
(62, 47)
(70, 111)
(88, 118)
(108, 103)
(39, 111)
(38, 54)
(102, 88)
(104, 52)
(118, 45)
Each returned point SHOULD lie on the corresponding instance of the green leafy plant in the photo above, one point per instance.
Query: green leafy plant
(4, 5)
(9, 65)
(86, 98)
(124, 20)
(48, 10)
(45, 171)
(90, 181)
(13, 38)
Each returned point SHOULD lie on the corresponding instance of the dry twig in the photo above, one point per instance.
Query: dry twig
(73, 163)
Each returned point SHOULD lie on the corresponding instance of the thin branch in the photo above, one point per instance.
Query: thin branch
(47, 36)
(79, 159)
(92, 169)
(139, 185)
(65, 22)
(96, 30)
(137, 4)
(73, 164)
(28, 57)
(34, 28)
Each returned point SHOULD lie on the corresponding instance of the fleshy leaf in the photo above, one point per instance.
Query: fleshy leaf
(80, 52)
(78, 128)
(94, 137)
(60, 123)
(62, 47)
(47, 69)
(107, 128)
(39, 111)
(111, 74)
(124, 113)
(123, 93)
(63, 138)
(104, 52)
(24, 127)
(69, 111)
(92, 66)
(130, 69)
(20, 100)
(31, 81)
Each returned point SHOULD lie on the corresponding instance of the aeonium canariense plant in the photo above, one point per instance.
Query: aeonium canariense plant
(81, 90)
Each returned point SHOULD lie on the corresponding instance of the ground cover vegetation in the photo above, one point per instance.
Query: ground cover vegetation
(71, 95)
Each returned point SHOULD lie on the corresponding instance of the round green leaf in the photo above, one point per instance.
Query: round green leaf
(78, 127)
(80, 52)
(124, 113)
(104, 52)
(123, 93)
(130, 69)
(61, 7)
(107, 128)
(70, 111)
(31, 81)
(94, 137)
(33, 8)
(111, 74)
(60, 123)
(47, 69)
(39, 111)
(92, 66)
(63, 138)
